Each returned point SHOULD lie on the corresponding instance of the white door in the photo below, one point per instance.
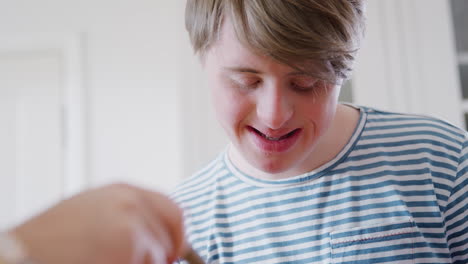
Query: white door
(31, 134)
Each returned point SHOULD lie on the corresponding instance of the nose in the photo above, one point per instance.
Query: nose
(274, 108)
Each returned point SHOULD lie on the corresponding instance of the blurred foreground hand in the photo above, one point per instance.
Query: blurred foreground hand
(116, 224)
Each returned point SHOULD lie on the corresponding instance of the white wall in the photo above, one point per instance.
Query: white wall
(131, 73)
(408, 62)
(202, 138)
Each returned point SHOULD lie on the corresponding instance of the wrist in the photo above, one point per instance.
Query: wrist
(12, 250)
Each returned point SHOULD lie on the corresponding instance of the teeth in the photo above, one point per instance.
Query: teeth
(277, 138)
(274, 138)
(271, 138)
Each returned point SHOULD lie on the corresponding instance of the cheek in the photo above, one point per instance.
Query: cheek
(322, 111)
(230, 108)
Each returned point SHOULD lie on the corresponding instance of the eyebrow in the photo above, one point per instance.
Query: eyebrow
(251, 70)
(242, 70)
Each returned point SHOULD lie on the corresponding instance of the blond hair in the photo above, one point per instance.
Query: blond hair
(319, 37)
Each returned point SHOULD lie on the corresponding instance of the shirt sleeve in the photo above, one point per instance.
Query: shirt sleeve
(456, 214)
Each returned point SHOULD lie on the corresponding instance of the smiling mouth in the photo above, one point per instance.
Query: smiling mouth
(288, 135)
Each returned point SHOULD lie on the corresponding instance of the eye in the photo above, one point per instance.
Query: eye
(301, 88)
(304, 84)
(246, 82)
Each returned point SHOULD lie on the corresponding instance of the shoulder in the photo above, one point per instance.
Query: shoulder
(199, 185)
(392, 125)
(414, 139)
(422, 146)
(196, 196)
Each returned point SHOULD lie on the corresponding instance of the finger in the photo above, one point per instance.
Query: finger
(157, 254)
(155, 238)
(150, 249)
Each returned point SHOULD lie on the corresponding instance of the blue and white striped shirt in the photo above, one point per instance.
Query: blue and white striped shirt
(396, 193)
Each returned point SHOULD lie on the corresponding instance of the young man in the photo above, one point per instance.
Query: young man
(306, 179)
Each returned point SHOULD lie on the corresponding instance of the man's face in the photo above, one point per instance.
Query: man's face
(274, 115)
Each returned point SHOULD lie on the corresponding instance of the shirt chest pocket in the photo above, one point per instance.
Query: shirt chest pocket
(386, 242)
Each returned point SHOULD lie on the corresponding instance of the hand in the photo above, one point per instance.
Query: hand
(116, 224)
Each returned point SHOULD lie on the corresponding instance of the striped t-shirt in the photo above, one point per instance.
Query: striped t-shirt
(396, 193)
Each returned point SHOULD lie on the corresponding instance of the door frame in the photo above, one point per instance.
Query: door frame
(71, 48)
